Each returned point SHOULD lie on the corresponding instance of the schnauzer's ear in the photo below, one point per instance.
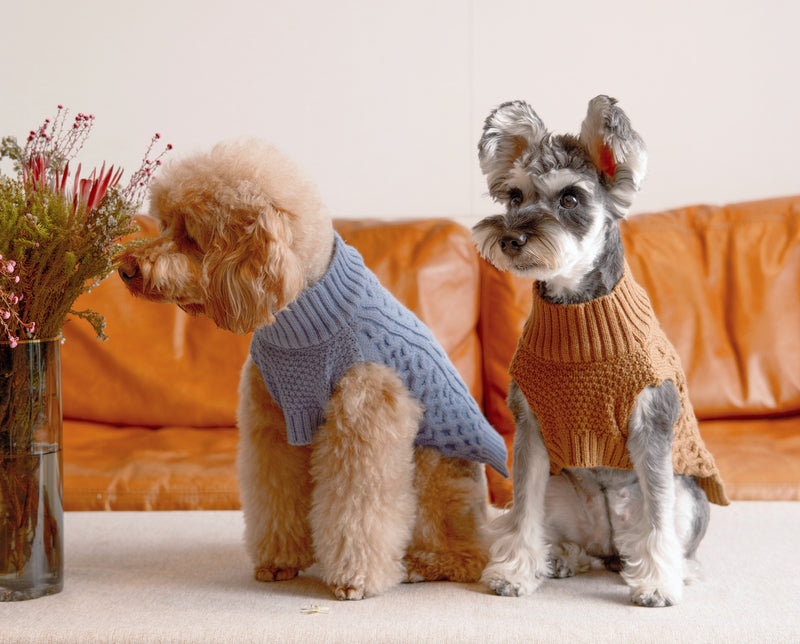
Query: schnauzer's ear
(253, 273)
(509, 131)
(615, 149)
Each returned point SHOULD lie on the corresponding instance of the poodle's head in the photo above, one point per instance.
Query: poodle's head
(243, 232)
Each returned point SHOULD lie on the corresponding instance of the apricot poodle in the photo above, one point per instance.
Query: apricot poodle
(345, 460)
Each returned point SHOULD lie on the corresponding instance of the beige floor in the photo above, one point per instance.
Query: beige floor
(184, 577)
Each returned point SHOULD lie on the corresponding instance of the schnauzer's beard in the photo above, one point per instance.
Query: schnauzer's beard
(550, 253)
(540, 254)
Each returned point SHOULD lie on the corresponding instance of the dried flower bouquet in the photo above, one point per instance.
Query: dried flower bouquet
(61, 232)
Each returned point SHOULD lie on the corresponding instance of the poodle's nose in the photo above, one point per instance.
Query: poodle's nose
(128, 269)
(512, 242)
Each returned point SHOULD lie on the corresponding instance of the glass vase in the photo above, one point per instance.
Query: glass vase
(31, 487)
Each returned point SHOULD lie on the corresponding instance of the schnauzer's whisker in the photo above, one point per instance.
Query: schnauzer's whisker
(487, 234)
(539, 253)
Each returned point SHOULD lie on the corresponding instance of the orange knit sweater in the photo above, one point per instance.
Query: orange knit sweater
(581, 368)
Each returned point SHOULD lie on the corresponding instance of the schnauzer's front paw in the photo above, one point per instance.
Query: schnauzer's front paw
(518, 580)
(346, 592)
(518, 573)
(512, 587)
(274, 573)
(651, 599)
(663, 595)
(656, 587)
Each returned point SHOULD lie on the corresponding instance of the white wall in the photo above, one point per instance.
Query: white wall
(383, 100)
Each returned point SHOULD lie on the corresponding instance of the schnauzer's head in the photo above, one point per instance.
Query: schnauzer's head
(243, 232)
(563, 195)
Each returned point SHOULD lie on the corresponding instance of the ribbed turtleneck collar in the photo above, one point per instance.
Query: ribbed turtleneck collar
(601, 329)
(322, 310)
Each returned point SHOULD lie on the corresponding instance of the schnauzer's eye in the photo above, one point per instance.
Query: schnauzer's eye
(515, 196)
(568, 200)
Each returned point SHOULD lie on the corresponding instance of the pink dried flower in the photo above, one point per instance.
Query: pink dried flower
(48, 151)
(141, 179)
(46, 156)
(9, 301)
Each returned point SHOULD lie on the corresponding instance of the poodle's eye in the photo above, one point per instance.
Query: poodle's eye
(515, 196)
(568, 200)
(189, 238)
(189, 243)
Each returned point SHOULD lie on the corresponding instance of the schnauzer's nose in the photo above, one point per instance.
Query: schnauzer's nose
(128, 269)
(512, 242)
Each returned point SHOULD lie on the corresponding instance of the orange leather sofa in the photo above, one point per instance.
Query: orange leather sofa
(149, 415)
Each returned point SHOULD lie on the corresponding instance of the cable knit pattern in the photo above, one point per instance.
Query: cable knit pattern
(349, 317)
(581, 368)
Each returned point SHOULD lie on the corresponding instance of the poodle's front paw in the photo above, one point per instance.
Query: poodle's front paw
(346, 592)
(275, 573)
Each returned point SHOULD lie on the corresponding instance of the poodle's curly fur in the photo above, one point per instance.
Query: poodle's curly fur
(243, 232)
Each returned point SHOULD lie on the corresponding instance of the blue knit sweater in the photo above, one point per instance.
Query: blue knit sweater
(346, 318)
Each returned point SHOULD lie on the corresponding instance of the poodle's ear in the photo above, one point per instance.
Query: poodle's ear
(253, 272)
(508, 132)
(616, 150)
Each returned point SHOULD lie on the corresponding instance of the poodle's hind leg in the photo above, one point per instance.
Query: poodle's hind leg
(362, 466)
(450, 535)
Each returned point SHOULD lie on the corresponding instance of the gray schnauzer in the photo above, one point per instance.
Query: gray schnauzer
(609, 466)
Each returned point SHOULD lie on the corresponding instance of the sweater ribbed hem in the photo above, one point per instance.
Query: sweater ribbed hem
(589, 449)
(714, 489)
(599, 330)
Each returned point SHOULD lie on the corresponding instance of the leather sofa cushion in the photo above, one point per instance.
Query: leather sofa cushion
(139, 468)
(725, 282)
(759, 458)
